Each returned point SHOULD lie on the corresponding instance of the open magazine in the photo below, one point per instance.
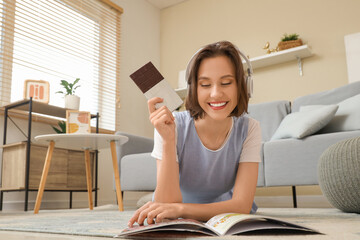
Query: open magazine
(220, 225)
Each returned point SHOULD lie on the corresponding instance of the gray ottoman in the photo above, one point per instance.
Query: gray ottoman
(339, 175)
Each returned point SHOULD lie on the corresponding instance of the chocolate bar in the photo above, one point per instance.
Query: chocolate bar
(152, 84)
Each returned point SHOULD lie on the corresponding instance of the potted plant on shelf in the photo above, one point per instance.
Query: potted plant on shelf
(62, 127)
(71, 100)
(289, 41)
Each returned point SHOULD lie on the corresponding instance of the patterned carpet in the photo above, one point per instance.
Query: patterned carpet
(107, 221)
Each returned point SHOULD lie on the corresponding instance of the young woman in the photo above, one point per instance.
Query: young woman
(207, 156)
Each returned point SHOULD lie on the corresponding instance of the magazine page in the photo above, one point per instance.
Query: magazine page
(223, 222)
(188, 225)
(234, 223)
(266, 224)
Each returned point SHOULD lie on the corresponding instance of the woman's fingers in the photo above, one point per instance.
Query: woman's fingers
(161, 115)
(152, 212)
(152, 215)
(135, 217)
(145, 213)
(160, 217)
(152, 102)
(152, 106)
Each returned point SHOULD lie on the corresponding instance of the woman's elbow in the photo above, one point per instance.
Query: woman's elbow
(241, 206)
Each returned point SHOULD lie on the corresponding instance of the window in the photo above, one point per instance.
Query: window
(62, 39)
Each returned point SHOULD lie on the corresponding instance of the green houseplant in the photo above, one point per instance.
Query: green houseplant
(71, 100)
(69, 87)
(290, 37)
(289, 41)
(62, 127)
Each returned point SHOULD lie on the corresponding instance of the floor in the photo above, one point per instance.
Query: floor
(130, 200)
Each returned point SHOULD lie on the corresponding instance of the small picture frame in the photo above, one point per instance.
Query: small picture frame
(77, 121)
(37, 89)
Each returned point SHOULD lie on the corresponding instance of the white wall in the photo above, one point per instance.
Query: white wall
(322, 24)
(140, 43)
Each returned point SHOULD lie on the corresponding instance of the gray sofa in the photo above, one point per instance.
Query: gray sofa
(285, 161)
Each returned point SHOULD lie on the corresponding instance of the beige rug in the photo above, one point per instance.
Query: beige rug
(107, 221)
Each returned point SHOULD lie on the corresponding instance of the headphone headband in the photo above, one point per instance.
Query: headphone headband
(248, 76)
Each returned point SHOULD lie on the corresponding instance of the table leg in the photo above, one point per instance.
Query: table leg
(44, 176)
(88, 178)
(117, 175)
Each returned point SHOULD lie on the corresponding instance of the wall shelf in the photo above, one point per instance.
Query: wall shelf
(296, 53)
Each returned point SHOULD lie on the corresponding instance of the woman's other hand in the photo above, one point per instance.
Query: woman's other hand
(154, 212)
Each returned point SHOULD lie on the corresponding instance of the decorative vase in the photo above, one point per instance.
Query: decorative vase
(72, 102)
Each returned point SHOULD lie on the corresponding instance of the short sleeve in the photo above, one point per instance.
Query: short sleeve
(252, 144)
(157, 150)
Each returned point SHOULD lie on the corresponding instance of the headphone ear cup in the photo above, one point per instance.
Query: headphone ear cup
(249, 85)
(187, 73)
(248, 78)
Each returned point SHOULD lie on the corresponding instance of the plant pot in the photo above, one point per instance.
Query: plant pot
(72, 102)
(289, 44)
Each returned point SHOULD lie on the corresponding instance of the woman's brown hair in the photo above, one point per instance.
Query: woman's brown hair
(223, 48)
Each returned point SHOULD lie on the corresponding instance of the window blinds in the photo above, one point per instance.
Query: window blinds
(53, 40)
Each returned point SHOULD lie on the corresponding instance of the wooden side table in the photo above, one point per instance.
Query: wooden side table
(84, 142)
(34, 107)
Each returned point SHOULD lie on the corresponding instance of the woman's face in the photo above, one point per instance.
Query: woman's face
(217, 87)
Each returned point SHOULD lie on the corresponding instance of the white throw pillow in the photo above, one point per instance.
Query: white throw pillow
(304, 123)
(347, 117)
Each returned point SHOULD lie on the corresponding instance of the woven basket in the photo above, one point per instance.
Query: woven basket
(289, 44)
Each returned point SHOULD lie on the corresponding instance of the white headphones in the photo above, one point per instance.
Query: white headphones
(247, 77)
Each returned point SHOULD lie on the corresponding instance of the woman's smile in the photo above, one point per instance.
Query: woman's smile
(218, 105)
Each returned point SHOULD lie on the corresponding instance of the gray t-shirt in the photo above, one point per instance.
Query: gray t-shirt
(206, 175)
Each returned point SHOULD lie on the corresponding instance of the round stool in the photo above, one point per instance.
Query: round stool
(339, 175)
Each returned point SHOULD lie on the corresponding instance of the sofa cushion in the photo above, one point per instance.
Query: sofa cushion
(347, 117)
(270, 115)
(293, 162)
(332, 96)
(304, 123)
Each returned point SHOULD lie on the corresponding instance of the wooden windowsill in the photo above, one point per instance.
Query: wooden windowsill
(43, 119)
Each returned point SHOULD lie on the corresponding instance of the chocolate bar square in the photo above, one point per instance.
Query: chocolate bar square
(146, 77)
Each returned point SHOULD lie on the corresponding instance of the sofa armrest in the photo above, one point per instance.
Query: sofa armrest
(138, 172)
(136, 144)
